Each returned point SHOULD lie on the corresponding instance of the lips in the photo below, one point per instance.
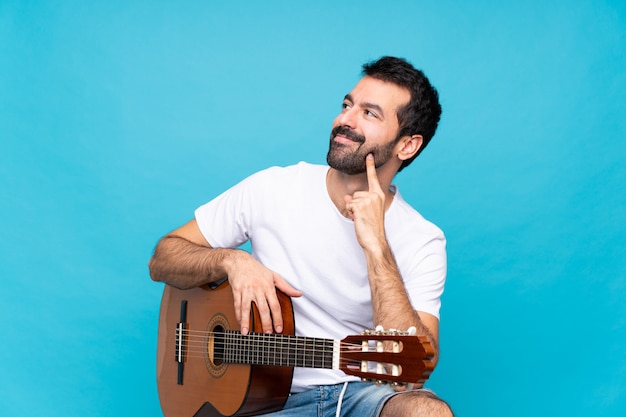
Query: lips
(343, 134)
(343, 139)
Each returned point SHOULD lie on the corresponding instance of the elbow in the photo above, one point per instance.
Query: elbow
(159, 274)
(153, 268)
(158, 263)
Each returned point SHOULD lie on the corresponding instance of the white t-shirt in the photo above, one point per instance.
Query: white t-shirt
(296, 230)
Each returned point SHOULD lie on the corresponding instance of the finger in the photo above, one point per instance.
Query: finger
(349, 206)
(242, 311)
(372, 177)
(265, 314)
(275, 307)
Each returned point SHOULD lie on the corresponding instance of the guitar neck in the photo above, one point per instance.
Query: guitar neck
(276, 349)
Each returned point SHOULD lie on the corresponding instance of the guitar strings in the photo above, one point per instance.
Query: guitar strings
(195, 344)
(200, 337)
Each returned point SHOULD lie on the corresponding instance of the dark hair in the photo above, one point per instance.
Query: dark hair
(422, 113)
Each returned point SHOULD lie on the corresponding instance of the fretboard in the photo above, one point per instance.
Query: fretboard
(276, 349)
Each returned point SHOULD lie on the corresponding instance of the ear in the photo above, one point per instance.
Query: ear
(409, 146)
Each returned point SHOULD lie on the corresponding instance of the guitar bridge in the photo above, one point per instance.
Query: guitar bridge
(181, 339)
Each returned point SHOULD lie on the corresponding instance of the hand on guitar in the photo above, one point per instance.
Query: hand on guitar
(252, 282)
(184, 259)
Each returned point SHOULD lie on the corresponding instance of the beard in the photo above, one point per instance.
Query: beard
(352, 161)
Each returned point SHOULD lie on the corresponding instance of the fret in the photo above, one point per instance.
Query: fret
(280, 357)
(262, 349)
(302, 352)
(267, 345)
(292, 350)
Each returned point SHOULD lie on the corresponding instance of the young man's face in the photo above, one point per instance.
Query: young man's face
(368, 123)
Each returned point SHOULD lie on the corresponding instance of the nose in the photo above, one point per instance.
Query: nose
(346, 118)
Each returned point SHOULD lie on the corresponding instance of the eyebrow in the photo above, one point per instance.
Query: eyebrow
(372, 106)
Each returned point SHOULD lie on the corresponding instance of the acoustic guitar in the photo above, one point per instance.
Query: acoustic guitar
(205, 368)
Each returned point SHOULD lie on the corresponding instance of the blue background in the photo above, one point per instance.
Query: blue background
(119, 118)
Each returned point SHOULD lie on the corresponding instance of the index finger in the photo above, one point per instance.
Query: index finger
(372, 177)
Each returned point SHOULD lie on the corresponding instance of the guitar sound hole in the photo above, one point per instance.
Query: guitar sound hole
(215, 354)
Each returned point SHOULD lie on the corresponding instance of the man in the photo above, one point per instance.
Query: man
(339, 240)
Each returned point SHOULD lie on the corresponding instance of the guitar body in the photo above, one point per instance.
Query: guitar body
(210, 389)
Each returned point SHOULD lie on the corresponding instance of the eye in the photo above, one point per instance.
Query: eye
(370, 113)
(345, 106)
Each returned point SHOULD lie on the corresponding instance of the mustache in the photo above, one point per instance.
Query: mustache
(347, 132)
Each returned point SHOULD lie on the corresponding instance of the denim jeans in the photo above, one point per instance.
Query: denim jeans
(360, 399)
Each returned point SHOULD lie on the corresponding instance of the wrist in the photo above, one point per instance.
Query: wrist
(377, 249)
(231, 258)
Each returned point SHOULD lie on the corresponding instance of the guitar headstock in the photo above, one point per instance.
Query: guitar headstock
(391, 356)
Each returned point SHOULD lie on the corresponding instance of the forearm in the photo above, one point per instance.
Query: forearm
(183, 264)
(390, 302)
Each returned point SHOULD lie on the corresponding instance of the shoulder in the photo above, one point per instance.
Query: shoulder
(406, 216)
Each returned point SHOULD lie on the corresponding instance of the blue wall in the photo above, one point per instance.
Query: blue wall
(118, 118)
